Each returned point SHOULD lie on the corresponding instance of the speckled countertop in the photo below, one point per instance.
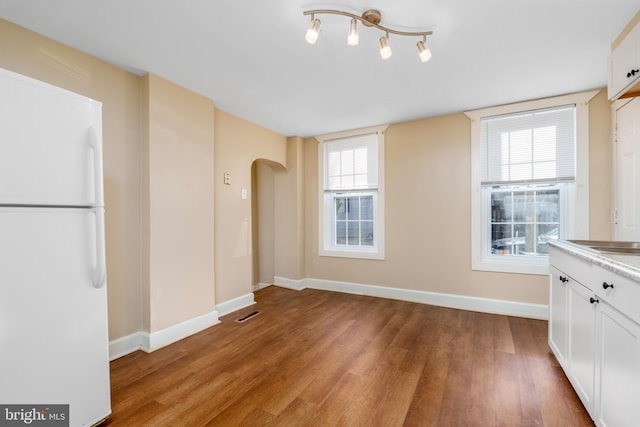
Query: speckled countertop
(624, 264)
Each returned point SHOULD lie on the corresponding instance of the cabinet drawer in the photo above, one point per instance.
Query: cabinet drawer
(573, 266)
(623, 296)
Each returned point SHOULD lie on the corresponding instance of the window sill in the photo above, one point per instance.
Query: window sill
(534, 266)
(358, 254)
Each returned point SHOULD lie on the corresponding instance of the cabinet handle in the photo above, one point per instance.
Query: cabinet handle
(564, 279)
(606, 285)
(632, 73)
(593, 300)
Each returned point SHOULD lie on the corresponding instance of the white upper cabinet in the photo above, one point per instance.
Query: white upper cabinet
(624, 66)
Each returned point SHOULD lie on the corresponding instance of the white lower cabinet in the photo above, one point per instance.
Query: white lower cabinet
(594, 334)
(582, 338)
(572, 333)
(618, 390)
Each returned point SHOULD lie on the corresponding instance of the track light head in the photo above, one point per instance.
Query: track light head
(314, 30)
(423, 51)
(385, 49)
(352, 38)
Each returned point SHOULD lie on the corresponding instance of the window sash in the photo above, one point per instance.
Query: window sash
(351, 163)
(523, 209)
(353, 219)
(536, 146)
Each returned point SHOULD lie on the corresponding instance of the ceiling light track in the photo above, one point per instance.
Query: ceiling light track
(370, 18)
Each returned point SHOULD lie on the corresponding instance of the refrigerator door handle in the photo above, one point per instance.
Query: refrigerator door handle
(96, 145)
(100, 273)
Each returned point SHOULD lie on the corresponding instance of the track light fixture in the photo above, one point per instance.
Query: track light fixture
(352, 38)
(370, 18)
(423, 50)
(314, 30)
(385, 49)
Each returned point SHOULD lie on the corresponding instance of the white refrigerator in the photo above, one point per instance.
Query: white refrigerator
(53, 294)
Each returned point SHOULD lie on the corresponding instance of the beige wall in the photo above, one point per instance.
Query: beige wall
(178, 197)
(290, 218)
(238, 143)
(27, 53)
(428, 213)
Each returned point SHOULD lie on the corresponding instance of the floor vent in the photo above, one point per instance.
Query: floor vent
(248, 316)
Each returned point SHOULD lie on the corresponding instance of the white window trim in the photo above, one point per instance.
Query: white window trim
(325, 248)
(576, 214)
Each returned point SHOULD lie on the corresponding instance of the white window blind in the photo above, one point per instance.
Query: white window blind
(351, 163)
(530, 147)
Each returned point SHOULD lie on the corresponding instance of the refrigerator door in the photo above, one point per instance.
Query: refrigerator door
(53, 317)
(50, 144)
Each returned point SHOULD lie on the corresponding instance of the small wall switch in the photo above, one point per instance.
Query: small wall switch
(244, 194)
(227, 178)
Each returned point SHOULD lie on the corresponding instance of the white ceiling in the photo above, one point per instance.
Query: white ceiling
(250, 56)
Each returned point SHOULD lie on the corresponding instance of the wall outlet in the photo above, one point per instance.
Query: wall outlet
(227, 178)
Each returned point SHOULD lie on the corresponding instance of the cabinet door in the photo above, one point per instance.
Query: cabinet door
(582, 333)
(622, 61)
(619, 390)
(627, 173)
(558, 315)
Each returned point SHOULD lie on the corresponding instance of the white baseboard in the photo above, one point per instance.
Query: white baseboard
(125, 345)
(296, 285)
(179, 331)
(235, 304)
(149, 342)
(259, 286)
(485, 305)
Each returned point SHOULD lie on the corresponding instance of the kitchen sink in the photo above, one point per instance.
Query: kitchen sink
(632, 248)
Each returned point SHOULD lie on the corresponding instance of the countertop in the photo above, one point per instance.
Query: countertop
(623, 264)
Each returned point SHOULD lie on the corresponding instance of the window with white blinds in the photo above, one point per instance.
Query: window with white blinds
(351, 163)
(530, 147)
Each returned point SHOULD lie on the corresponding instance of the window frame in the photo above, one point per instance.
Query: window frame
(574, 209)
(326, 216)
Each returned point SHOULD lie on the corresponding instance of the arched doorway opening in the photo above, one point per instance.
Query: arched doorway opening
(263, 220)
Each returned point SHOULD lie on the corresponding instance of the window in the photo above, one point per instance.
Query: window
(523, 220)
(529, 181)
(351, 194)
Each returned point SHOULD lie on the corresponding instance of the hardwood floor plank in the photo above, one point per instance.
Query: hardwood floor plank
(483, 391)
(329, 369)
(428, 398)
(318, 358)
(342, 399)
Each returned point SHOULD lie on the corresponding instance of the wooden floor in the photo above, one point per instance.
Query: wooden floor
(316, 358)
